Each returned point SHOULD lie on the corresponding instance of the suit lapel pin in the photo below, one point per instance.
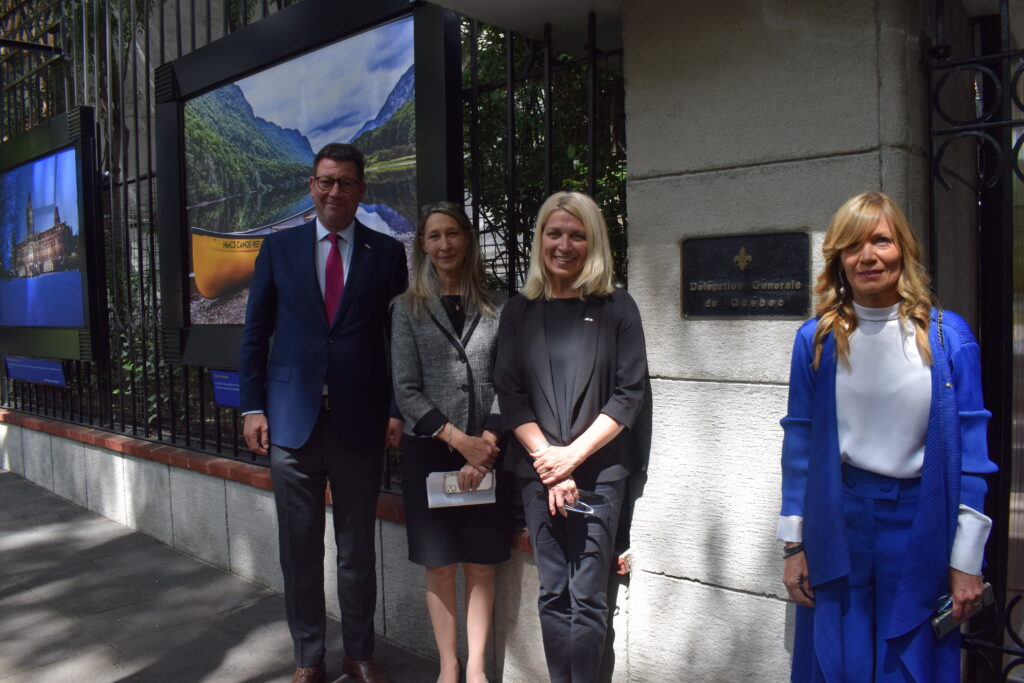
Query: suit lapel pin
(366, 245)
(588, 320)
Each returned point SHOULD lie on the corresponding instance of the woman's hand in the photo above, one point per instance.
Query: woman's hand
(556, 463)
(477, 451)
(561, 494)
(469, 478)
(966, 590)
(795, 578)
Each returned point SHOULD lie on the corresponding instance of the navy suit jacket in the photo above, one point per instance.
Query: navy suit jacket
(285, 379)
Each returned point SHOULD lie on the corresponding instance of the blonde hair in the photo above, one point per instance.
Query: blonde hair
(425, 285)
(596, 276)
(852, 223)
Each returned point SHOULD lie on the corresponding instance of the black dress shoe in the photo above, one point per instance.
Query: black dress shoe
(310, 674)
(364, 670)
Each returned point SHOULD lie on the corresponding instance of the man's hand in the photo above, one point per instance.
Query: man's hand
(256, 432)
(393, 435)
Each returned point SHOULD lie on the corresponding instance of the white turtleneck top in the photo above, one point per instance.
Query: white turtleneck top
(883, 398)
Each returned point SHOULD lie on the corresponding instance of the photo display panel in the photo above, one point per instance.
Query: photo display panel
(249, 147)
(40, 246)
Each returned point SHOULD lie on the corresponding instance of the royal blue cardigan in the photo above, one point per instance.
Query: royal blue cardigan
(955, 460)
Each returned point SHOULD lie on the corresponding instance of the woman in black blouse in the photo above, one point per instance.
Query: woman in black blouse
(570, 378)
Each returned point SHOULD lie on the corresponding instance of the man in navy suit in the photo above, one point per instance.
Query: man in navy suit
(317, 399)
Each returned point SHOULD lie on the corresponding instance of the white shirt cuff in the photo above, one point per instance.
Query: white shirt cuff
(252, 412)
(791, 529)
(972, 529)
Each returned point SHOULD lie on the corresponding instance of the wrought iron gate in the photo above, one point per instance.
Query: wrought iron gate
(537, 118)
(976, 131)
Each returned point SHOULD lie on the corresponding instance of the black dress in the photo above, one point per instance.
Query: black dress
(479, 534)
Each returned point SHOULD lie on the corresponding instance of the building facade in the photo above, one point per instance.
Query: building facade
(46, 251)
(753, 117)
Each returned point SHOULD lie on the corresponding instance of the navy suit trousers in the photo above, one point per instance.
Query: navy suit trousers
(300, 476)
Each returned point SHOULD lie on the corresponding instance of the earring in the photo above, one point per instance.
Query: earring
(842, 287)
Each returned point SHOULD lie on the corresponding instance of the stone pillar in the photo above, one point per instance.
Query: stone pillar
(754, 116)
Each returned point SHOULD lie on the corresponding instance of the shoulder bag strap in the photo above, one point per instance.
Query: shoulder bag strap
(942, 343)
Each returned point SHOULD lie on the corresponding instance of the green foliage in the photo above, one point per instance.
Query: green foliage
(511, 218)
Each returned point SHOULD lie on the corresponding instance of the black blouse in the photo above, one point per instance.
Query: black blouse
(452, 304)
(563, 327)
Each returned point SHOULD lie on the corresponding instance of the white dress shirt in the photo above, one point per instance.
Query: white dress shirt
(323, 248)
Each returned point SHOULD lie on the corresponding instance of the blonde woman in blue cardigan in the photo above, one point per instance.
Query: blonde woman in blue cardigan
(883, 462)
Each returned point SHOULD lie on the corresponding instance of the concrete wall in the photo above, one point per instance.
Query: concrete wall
(742, 117)
(230, 525)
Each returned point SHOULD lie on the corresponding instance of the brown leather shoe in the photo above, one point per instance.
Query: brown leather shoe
(310, 674)
(364, 670)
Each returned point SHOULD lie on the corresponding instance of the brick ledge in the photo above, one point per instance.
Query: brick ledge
(389, 505)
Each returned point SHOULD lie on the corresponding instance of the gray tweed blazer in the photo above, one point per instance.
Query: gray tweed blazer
(433, 369)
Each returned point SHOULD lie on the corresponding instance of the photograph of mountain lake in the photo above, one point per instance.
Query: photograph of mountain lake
(40, 276)
(249, 148)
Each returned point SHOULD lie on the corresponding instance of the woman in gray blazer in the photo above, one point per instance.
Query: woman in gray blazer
(443, 346)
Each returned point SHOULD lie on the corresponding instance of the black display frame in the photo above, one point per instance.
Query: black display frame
(76, 129)
(276, 39)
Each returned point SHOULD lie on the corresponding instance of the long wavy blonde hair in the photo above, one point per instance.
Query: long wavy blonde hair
(596, 276)
(424, 285)
(852, 223)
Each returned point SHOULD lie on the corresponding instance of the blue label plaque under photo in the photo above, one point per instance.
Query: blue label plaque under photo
(36, 370)
(225, 388)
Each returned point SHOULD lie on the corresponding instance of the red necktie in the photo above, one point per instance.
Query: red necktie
(334, 279)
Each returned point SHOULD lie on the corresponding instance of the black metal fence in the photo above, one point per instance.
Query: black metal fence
(976, 127)
(537, 119)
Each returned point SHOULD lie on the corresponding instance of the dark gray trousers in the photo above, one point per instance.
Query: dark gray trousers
(574, 558)
(300, 478)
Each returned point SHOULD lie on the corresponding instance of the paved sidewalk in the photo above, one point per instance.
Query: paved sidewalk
(84, 599)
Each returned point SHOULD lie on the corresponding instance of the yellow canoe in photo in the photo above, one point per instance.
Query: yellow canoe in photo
(224, 262)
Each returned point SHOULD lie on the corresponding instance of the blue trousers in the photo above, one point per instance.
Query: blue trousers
(853, 612)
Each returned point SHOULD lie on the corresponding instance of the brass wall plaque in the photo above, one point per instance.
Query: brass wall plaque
(746, 276)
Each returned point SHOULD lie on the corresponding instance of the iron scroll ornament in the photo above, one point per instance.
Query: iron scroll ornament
(988, 179)
(993, 654)
(1014, 82)
(985, 115)
(1016, 157)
